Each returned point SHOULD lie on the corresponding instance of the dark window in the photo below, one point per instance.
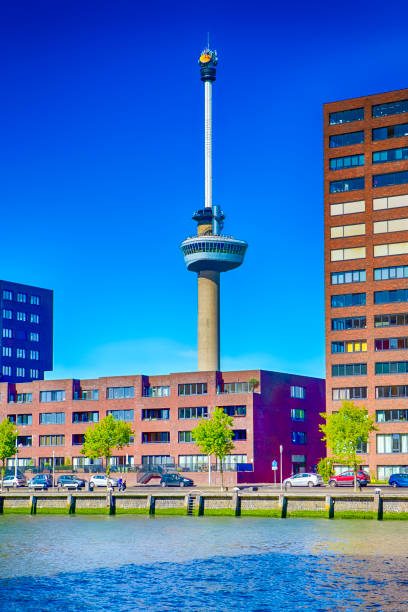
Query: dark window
(78, 439)
(391, 131)
(348, 299)
(235, 411)
(391, 344)
(391, 178)
(390, 155)
(391, 416)
(52, 418)
(298, 437)
(52, 440)
(21, 398)
(351, 184)
(52, 396)
(85, 417)
(391, 273)
(21, 419)
(349, 369)
(87, 394)
(391, 320)
(185, 436)
(391, 391)
(390, 108)
(297, 414)
(348, 323)
(25, 441)
(344, 140)
(362, 447)
(388, 297)
(161, 391)
(346, 116)
(155, 414)
(349, 161)
(192, 389)
(239, 434)
(154, 437)
(193, 412)
(391, 367)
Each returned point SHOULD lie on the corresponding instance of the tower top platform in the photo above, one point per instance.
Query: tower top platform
(218, 253)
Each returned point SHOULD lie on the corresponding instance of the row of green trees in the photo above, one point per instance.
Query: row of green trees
(344, 431)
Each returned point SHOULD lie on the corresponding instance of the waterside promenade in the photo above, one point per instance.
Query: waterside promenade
(322, 503)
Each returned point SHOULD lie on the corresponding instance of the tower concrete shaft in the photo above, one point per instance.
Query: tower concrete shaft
(208, 328)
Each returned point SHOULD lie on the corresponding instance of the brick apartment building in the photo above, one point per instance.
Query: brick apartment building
(366, 268)
(26, 337)
(52, 417)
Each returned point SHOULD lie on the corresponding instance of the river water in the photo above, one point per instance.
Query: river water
(132, 563)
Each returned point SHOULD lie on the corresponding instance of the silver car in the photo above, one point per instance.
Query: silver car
(14, 481)
(304, 479)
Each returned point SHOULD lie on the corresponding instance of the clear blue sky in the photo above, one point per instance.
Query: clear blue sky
(102, 167)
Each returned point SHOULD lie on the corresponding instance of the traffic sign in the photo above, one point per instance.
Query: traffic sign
(274, 465)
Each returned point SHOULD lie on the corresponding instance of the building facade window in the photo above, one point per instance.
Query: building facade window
(192, 389)
(156, 460)
(120, 392)
(20, 419)
(345, 140)
(7, 333)
(298, 392)
(390, 273)
(390, 108)
(390, 225)
(155, 414)
(351, 346)
(85, 417)
(156, 391)
(234, 387)
(6, 351)
(391, 320)
(122, 415)
(348, 323)
(298, 437)
(6, 370)
(34, 355)
(20, 372)
(20, 398)
(52, 418)
(22, 297)
(349, 369)
(155, 437)
(349, 276)
(362, 447)
(391, 416)
(347, 208)
(34, 336)
(35, 300)
(297, 414)
(7, 314)
(20, 353)
(389, 297)
(349, 393)
(52, 440)
(390, 131)
(34, 373)
(350, 184)
(398, 201)
(78, 439)
(390, 155)
(349, 161)
(193, 463)
(391, 367)
(392, 443)
(385, 471)
(391, 344)
(185, 436)
(344, 231)
(346, 300)
(52, 396)
(235, 411)
(391, 391)
(239, 434)
(34, 318)
(348, 254)
(86, 395)
(7, 295)
(25, 441)
(347, 116)
(193, 412)
(390, 178)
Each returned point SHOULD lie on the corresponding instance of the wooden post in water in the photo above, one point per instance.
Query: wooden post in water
(283, 504)
(71, 503)
(112, 504)
(151, 505)
(378, 506)
(200, 506)
(329, 505)
(2, 505)
(33, 504)
(237, 504)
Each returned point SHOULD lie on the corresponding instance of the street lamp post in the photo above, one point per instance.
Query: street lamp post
(53, 468)
(209, 470)
(15, 462)
(281, 451)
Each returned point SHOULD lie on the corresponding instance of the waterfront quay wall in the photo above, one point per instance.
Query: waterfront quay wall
(207, 503)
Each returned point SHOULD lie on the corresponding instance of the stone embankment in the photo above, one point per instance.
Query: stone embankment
(201, 503)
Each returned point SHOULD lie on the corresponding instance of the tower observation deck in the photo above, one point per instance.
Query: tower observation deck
(209, 252)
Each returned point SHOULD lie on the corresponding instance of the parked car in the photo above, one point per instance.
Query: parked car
(99, 480)
(398, 480)
(40, 481)
(304, 479)
(347, 479)
(69, 481)
(175, 480)
(14, 481)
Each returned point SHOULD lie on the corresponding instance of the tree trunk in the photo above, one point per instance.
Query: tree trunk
(355, 477)
(222, 476)
(107, 471)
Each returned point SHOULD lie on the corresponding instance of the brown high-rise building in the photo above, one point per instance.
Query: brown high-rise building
(366, 268)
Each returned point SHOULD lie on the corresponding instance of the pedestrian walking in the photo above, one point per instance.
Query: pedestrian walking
(120, 484)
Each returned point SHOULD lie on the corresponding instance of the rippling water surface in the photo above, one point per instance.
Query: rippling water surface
(182, 563)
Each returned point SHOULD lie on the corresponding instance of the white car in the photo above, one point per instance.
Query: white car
(14, 481)
(100, 480)
(304, 479)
